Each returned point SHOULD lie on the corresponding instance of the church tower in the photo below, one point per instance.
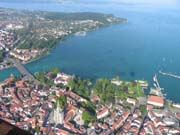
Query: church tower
(58, 115)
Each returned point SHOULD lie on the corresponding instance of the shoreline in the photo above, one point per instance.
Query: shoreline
(58, 42)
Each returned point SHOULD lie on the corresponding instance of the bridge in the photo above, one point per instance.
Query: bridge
(22, 69)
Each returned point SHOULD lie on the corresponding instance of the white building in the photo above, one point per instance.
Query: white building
(131, 101)
(62, 79)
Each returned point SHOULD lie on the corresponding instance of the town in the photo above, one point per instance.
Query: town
(54, 103)
(27, 35)
(61, 104)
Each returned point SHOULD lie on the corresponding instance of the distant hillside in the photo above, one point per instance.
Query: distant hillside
(78, 16)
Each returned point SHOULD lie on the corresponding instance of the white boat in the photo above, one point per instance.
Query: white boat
(80, 33)
(155, 85)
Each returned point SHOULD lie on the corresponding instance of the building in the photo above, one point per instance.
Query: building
(103, 113)
(131, 101)
(62, 79)
(156, 101)
(58, 115)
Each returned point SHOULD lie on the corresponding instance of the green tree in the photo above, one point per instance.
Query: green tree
(143, 109)
(71, 84)
(41, 77)
(1, 55)
(55, 70)
(86, 117)
(80, 86)
(61, 101)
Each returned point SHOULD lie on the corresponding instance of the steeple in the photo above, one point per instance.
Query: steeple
(58, 114)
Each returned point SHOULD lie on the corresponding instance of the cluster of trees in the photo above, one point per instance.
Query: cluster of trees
(143, 109)
(80, 86)
(83, 88)
(88, 118)
(41, 76)
(38, 44)
(89, 115)
(55, 70)
(60, 101)
(107, 91)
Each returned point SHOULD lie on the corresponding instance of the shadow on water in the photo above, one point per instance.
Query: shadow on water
(132, 74)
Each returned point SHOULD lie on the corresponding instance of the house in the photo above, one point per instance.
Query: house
(103, 113)
(156, 101)
(120, 120)
(20, 83)
(131, 101)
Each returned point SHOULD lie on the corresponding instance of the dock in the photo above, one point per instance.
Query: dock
(157, 90)
(169, 74)
(156, 82)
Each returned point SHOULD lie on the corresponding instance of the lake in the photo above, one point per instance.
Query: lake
(138, 49)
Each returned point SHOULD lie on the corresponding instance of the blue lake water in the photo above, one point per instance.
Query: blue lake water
(150, 41)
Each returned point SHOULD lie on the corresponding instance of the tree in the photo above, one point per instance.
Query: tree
(55, 70)
(71, 84)
(80, 86)
(143, 109)
(61, 101)
(86, 117)
(1, 55)
(41, 77)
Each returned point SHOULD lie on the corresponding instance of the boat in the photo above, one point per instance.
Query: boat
(155, 85)
(155, 78)
(80, 33)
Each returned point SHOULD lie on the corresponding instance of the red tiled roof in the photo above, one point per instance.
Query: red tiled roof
(102, 112)
(156, 99)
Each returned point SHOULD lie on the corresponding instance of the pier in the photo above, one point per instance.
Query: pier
(169, 74)
(157, 90)
(156, 82)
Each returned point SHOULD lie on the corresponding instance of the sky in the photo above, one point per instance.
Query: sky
(131, 2)
(94, 1)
